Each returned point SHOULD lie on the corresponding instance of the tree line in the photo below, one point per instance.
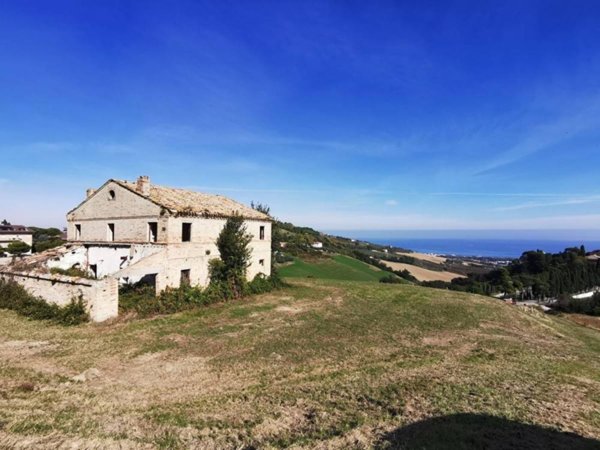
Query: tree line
(535, 275)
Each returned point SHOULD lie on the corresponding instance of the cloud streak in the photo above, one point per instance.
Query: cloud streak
(567, 202)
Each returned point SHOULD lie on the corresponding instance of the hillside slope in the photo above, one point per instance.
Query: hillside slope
(338, 267)
(325, 364)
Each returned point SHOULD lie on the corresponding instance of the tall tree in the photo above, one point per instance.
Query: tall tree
(233, 248)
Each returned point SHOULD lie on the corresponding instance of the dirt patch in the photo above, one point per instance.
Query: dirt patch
(22, 349)
(288, 420)
(288, 309)
(586, 321)
(438, 341)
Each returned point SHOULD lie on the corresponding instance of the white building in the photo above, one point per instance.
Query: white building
(11, 233)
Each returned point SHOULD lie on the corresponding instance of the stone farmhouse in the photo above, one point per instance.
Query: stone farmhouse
(126, 232)
(133, 230)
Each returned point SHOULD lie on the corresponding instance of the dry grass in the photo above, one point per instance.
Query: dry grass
(425, 257)
(321, 364)
(422, 274)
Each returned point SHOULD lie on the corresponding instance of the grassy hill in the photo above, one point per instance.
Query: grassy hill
(335, 364)
(338, 267)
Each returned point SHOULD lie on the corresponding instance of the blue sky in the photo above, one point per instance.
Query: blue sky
(340, 115)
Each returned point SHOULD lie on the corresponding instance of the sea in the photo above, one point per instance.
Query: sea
(491, 248)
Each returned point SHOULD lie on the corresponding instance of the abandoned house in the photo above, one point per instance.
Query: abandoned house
(126, 232)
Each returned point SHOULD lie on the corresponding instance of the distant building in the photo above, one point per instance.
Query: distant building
(317, 245)
(11, 233)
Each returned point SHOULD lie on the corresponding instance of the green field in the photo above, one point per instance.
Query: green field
(321, 363)
(338, 267)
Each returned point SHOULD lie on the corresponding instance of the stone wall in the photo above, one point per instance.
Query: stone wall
(100, 296)
(129, 213)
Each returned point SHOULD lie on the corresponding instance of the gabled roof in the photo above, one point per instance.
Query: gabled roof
(184, 202)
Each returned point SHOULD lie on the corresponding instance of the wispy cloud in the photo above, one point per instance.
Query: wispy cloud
(567, 202)
(391, 202)
(502, 194)
(575, 120)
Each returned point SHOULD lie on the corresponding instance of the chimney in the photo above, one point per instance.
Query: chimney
(89, 192)
(143, 185)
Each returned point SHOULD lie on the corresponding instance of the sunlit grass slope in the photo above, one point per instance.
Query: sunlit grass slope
(338, 267)
(326, 364)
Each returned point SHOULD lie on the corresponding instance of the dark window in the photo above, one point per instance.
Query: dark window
(152, 231)
(262, 233)
(94, 269)
(186, 232)
(185, 277)
(111, 232)
(111, 195)
(261, 262)
(77, 232)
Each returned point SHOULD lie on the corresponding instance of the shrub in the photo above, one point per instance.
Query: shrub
(72, 272)
(14, 297)
(392, 279)
(143, 300)
(282, 258)
(589, 306)
(18, 248)
(41, 246)
(262, 284)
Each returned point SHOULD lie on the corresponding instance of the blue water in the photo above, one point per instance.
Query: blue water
(497, 248)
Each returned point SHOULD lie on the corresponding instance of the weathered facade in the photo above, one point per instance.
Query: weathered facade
(135, 231)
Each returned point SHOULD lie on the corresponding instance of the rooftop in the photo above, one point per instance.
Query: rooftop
(192, 203)
(14, 229)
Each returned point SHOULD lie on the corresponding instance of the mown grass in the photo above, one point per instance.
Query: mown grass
(338, 363)
(338, 267)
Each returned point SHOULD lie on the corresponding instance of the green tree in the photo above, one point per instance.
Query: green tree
(18, 248)
(261, 207)
(235, 255)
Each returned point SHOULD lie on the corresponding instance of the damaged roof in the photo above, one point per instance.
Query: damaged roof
(186, 202)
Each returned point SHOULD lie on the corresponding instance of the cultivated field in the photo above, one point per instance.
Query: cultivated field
(422, 274)
(321, 364)
(425, 257)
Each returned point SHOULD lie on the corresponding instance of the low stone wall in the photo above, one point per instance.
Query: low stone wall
(100, 296)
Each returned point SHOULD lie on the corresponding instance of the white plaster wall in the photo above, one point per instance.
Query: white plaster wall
(108, 259)
(100, 296)
(75, 257)
(6, 239)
